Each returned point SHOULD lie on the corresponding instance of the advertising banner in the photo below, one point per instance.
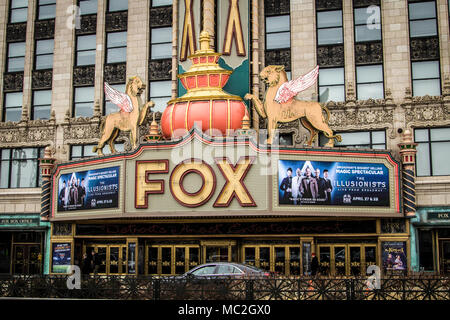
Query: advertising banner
(61, 257)
(93, 189)
(394, 255)
(333, 183)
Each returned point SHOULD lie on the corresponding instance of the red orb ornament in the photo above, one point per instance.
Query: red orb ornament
(215, 111)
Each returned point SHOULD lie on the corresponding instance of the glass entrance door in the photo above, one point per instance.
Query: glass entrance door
(282, 259)
(346, 259)
(171, 259)
(27, 259)
(111, 259)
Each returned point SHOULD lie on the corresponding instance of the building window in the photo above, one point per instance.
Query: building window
(117, 5)
(42, 101)
(87, 7)
(278, 32)
(116, 44)
(331, 84)
(426, 78)
(16, 56)
(161, 39)
(84, 151)
(18, 11)
(84, 102)
(160, 94)
(359, 139)
(161, 3)
(329, 27)
(20, 167)
(369, 82)
(44, 54)
(426, 250)
(109, 106)
(86, 46)
(46, 9)
(433, 151)
(13, 106)
(367, 24)
(422, 19)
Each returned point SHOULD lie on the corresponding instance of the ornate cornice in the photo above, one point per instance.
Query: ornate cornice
(26, 133)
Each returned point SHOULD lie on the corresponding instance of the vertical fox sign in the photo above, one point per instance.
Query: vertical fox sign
(230, 21)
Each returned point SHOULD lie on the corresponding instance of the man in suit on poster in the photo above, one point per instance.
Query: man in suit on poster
(328, 187)
(308, 187)
(286, 186)
(296, 181)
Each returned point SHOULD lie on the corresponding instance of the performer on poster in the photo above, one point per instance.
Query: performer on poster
(63, 195)
(328, 187)
(296, 181)
(82, 192)
(286, 186)
(320, 185)
(308, 186)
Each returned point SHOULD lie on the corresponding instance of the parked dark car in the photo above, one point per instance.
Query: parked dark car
(225, 269)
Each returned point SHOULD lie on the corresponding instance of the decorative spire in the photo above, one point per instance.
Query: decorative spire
(154, 131)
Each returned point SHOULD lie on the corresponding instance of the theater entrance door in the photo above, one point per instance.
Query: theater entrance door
(346, 259)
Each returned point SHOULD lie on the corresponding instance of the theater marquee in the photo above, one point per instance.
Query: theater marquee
(200, 177)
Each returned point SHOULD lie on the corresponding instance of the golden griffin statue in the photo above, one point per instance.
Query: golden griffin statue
(131, 115)
(280, 104)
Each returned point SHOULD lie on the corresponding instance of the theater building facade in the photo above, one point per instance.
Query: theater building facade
(163, 209)
(200, 179)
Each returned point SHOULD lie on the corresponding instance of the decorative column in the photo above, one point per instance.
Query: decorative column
(174, 49)
(255, 61)
(208, 20)
(408, 154)
(46, 164)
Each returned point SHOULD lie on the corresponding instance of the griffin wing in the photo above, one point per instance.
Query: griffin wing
(290, 89)
(122, 100)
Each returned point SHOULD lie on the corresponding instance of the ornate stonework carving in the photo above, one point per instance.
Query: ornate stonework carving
(42, 79)
(115, 73)
(44, 29)
(160, 69)
(84, 75)
(13, 81)
(369, 52)
(328, 4)
(117, 21)
(279, 57)
(424, 48)
(161, 16)
(25, 133)
(365, 3)
(330, 56)
(276, 7)
(16, 32)
(88, 24)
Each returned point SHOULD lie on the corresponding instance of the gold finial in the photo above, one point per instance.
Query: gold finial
(154, 131)
(204, 42)
(245, 122)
